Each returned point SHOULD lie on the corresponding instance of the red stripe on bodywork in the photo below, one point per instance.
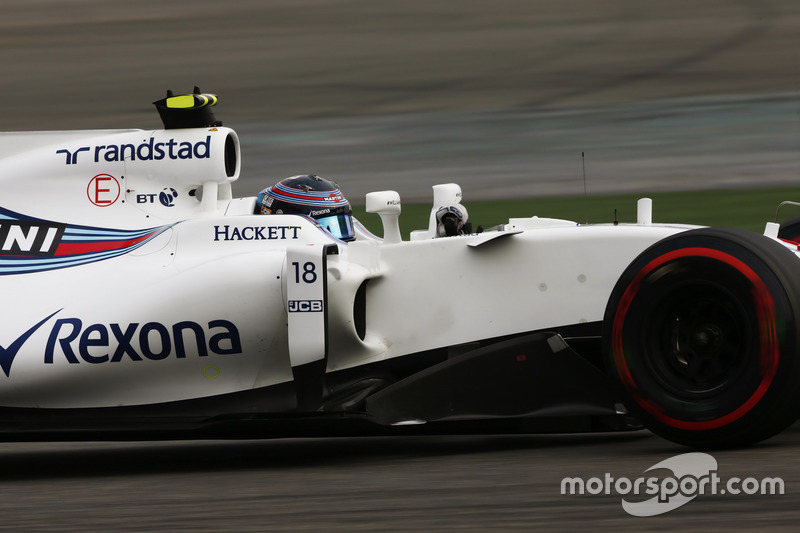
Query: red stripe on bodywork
(75, 248)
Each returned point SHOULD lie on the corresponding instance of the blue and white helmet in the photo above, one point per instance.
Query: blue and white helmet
(313, 197)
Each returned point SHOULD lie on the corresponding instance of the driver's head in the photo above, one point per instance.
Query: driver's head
(313, 197)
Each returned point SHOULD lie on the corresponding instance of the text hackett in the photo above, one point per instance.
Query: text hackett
(255, 233)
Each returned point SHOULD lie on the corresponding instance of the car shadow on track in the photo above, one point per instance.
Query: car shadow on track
(54, 460)
(30, 461)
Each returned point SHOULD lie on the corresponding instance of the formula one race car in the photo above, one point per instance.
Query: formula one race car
(143, 301)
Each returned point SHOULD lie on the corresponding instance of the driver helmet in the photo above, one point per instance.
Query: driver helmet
(313, 197)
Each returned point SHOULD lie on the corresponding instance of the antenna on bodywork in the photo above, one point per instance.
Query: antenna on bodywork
(585, 193)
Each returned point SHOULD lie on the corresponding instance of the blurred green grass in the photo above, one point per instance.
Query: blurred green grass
(747, 209)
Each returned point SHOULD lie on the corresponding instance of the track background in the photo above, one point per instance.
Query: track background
(501, 97)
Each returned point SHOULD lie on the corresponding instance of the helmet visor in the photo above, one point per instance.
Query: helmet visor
(340, 226)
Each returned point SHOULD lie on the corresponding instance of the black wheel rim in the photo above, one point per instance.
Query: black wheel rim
(697, 339)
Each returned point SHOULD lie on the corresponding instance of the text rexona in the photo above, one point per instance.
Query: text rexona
(101, 343)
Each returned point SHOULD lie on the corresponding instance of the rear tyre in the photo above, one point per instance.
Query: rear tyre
(701, 335)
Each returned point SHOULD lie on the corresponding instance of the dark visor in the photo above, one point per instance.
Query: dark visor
(340, 226)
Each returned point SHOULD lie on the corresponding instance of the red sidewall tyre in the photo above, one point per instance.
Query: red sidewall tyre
(701, 335)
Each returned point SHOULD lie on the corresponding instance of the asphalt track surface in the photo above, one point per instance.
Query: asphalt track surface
(499, 96)
(375, 484)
